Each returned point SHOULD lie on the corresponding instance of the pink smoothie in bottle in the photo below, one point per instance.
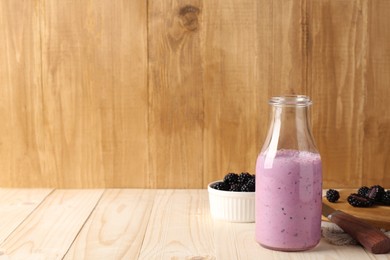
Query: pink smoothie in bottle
(288, 209)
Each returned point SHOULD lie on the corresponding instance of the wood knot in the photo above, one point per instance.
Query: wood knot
(189, 17)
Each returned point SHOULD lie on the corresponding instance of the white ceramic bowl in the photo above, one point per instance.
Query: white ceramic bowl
(233, 206)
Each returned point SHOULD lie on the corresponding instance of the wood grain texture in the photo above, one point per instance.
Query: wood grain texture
(179, 227)
(337, 67)
(287, 47)
(75, 95)
(376, 126)
(157, 224)
(16, 205)
(95, 82)
(20, 95)
(173, 94)
(116, 228)
(60, 216)
(231, 111)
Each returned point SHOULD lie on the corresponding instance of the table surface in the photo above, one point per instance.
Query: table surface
(132, 224)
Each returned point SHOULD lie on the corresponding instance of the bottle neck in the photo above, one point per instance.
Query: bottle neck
(290, 129)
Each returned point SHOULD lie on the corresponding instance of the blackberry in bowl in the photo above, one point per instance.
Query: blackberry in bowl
(233, 198)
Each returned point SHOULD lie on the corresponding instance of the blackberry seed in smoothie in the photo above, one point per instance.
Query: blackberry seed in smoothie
(288, 213)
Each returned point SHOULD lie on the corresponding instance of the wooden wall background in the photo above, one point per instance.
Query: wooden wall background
(158, 94)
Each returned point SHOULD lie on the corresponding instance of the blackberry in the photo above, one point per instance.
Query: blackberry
(249, 186)
(235, 187)
(332, 195)
(244, 177)
(244, 187)
(220, 186)
(239, 182)
(386, 198)
(252, 181)
(357, 200)
(376, 193)
(230, 178)
(363, 191)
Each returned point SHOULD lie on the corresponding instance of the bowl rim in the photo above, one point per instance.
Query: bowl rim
(229, 193)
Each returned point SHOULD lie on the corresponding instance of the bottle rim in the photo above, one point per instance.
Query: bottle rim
(291, 100)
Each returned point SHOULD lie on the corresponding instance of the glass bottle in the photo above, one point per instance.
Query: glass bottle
(289, 179)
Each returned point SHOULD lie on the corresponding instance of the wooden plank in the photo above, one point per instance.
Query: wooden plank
(50, 230)
(177, 222)
(230, 99)
(74, 98)
(16, 205)
(116, 228)
(337, 76)
(284, 55)
(180, 227)
(376, 148)
(95, 94)
(175, 94)
(21, 148)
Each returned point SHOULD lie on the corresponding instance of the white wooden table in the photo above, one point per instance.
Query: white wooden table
(132, 224)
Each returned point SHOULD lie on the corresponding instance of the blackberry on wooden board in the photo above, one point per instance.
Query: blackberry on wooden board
(376, 192)
(386, 198)
(332, 195)
(363, 191)
(357, 200)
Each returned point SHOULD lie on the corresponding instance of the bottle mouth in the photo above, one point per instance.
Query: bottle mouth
(291, 100)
